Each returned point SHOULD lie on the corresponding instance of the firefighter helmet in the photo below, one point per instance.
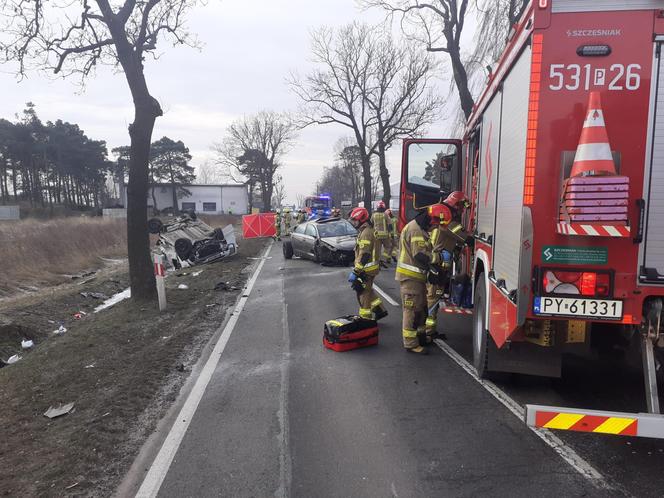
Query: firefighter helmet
(359, 215)
(439, 214)
(457, 200)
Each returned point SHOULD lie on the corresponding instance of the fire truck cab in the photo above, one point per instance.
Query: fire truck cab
(563, 159)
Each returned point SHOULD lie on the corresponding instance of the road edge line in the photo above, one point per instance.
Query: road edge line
(568, 454)
(385, 295)
(161, 464)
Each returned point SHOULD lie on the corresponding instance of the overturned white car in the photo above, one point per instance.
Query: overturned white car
(188, 241)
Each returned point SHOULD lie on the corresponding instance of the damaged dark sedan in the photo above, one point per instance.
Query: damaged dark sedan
(327, 241)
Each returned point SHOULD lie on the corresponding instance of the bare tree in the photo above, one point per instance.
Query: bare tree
(438, 24)
(333, 93)
(208, 173)
(496, 18)
(401, 98)
(299, 200)
(279, 193)
(251, 150)
(73, 37)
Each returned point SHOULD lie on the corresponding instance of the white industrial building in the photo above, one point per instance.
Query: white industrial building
(210, 199)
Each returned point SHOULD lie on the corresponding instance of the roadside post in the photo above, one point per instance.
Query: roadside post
(160, 274)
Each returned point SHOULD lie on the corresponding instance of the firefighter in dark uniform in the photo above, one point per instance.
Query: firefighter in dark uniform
(393, 239)
(366, 266)
(446, 237)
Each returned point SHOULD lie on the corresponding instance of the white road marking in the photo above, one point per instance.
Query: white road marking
(285, 469)
(568, 454)
(565, 452)
(159, 468)
(385, 295)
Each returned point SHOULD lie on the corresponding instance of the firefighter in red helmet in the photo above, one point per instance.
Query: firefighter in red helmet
(367, 266)
(413, 271)
(381, 230)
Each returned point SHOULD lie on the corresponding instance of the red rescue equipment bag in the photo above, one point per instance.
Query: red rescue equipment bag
(350, 332)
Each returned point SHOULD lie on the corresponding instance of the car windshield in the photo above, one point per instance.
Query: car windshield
(336, 229)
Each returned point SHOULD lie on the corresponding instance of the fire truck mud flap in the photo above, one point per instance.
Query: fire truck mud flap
(597, 422)
(525, 358)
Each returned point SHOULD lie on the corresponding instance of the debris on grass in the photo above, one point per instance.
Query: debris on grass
(225, 286)
(94, 295)
(91, 365)
(183, 286)
(27, 343)
(79, 314)
(197, 273)
(13, 359)
(61, 330)
(58, 411)
(120, 296)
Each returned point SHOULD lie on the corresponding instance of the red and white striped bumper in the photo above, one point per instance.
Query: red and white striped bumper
(598, 422)
(598, 230)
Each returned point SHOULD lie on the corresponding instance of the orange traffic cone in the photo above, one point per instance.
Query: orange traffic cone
(593, 155)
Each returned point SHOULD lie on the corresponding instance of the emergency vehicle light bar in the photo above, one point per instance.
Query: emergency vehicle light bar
(598, 422)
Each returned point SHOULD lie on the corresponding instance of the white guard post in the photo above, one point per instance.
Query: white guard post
(160, 274)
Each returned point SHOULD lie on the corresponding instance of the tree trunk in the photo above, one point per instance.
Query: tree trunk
(141, 274)
(384, 173)
(366, 176)
(461, 81)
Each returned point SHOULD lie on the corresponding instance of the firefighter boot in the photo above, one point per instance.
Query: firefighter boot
(417, 350)
(380, 313)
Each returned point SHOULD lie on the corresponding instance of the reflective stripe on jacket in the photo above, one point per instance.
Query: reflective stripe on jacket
(379, 221)
(366, 244)
(414, 241)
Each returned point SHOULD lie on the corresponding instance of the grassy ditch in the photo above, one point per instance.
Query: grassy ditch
(37, 253)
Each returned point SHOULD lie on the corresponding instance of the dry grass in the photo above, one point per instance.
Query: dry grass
(36, 253)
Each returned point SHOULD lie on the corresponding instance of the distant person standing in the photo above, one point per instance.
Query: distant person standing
(379, 220)
(287, 221)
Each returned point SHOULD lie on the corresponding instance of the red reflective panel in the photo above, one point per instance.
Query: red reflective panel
(588, 283)
(568, 276)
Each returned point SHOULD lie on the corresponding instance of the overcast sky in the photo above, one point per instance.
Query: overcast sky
(248, 49)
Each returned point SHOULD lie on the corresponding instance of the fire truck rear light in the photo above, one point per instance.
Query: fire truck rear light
(593, 50)
(568, 276)
(603, 286)
(588, 283)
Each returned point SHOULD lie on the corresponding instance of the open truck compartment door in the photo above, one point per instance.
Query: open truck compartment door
(651, 270)
(430, 170)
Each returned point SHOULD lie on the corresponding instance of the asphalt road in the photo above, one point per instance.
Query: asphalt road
(282, 416)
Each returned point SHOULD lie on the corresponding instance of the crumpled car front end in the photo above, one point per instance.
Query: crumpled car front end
(338, 250)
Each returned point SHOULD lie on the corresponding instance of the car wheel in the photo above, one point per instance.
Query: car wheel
(155, 225)
(480, 333)
(183, 248)
(287, 249)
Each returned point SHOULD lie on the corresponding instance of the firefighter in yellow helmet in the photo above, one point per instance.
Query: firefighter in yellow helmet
(446, 235)
(413, 270)
(301, 216)
(366, 266)
(379, 220)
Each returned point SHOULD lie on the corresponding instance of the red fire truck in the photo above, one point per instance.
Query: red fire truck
(563, 158)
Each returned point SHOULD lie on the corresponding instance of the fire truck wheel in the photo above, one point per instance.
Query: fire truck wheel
(480, 332)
